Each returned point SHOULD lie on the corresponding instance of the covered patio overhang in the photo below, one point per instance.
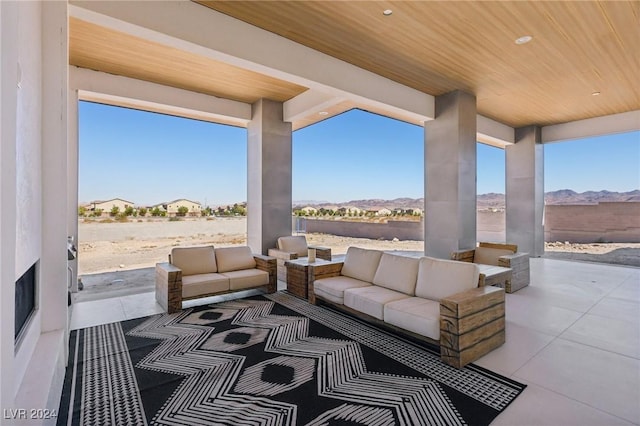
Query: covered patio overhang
(274, 67)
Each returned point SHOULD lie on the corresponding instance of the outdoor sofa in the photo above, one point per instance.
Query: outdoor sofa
(195, 272)
(434, 300)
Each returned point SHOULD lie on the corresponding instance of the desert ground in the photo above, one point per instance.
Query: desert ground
(118, 258)
(141, 243)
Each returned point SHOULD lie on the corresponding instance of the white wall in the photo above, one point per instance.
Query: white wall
(33, 127)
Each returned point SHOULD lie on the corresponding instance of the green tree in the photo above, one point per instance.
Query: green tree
(142, 211)
(82, 211)
(114, 211)
(97, 213)
(155, 212)
(182, 211)
(128, 211)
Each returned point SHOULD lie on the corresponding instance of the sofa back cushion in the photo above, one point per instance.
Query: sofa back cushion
(397, 273)
(439, 278)
(294, 244)
(489, 255)
(194, 260)
(234, 258)
(361, 264)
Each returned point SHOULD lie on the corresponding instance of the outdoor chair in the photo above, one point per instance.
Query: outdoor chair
(294, 247)
(502, 255)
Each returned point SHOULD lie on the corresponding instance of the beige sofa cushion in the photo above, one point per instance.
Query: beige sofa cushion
(361, 264)
(489, 256)
(246, 278)
(234, 258)
(333, 288)
(294, 244)
(439, 278)
(371, 300)
(194, 260)
(397, 273)
(415, 314)
(201, 284)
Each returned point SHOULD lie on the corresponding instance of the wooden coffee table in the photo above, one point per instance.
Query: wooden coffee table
(298, 275)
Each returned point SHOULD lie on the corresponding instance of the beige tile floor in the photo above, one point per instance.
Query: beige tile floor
(573, 336)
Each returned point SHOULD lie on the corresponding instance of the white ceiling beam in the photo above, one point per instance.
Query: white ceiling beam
(308, 103)
(494, 133)
(598, 126)
(116, 90)
(193, 28)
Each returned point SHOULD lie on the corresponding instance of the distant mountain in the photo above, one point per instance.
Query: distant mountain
(485, 201)
(567, 196)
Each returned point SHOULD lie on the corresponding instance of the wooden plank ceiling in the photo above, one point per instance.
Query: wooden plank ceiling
(102, 49)
(578, 48)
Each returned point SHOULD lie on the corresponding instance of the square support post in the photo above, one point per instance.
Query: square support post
(450, 176)
(269, 173)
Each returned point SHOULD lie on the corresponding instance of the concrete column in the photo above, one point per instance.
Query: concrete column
(450, 176)
(269, 176)
(53, 264)
(525, 191)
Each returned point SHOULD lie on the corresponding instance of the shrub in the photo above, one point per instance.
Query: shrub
(156, 212)
(142, 211)
(174, 219)
(82, 211)
(182, 211)
(114, 211)
(128, 211)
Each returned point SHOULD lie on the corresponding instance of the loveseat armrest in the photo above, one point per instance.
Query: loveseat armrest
(169, 287)
(269, 265)
(472, 323)
(463, 255)
(323, 253)
(320, 271)
(519, 263)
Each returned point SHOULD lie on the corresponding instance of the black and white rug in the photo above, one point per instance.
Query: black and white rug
(268, 360)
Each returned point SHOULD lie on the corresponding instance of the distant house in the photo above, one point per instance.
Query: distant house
(349, 211)
(172, 207)
(309, 210)
(383, 212)
(107, 206)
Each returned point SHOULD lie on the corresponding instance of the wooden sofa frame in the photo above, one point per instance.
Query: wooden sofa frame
(517, 262)
(472, 322)
(169, 283)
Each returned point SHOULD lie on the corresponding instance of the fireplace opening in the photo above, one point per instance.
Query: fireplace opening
(25, 300)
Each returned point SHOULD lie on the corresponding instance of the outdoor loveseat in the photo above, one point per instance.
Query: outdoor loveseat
(498, 254)
(434, 300)
(194, 272)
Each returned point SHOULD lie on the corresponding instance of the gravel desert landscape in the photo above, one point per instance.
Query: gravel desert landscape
(141, 243)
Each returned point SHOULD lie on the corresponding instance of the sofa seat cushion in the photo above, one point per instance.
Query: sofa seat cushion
(333, 288)
(201, 284)
(397, 273)
(371, 300)
(194, 260)
(246, 278)
(361, 264)
(489, 256)
(415, 314)
(438, 278)
(234, 258)
(294, 244)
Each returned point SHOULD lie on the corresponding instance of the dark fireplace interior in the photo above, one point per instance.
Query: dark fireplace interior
(25, 298)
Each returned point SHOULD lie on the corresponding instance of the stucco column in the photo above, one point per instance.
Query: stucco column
(525, 191)
(450, 176)
(269, 176)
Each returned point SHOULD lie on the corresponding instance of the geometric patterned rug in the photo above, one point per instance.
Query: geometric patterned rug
(268, 360)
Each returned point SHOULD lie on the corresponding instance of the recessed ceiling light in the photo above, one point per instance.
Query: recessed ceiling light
(524, 39)
(595, 94)
(323, 113)
(387, 12)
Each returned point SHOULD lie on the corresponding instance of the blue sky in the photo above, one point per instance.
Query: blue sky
(148, 158)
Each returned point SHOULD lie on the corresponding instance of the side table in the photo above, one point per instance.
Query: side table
(298, 275)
